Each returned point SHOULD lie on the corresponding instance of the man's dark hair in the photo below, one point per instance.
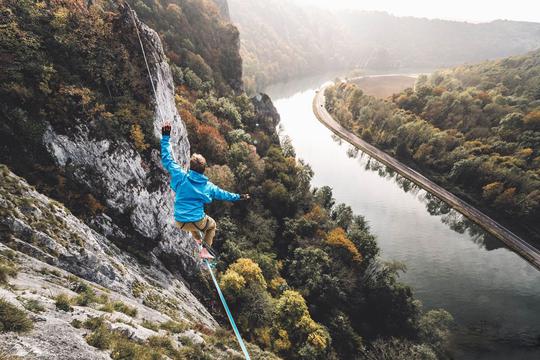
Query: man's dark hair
(197, 163)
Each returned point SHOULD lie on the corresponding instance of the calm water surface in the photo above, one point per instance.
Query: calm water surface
(492, 293)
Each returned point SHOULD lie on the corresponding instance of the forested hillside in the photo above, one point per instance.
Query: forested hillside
(197, 38)
(282, 40)
(474, 129)
(302, 274)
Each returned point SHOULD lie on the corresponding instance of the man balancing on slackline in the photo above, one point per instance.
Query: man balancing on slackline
(193, 191)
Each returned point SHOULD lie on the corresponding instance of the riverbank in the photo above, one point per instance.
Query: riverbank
(383, 87)
(514, 242)
(452, 263)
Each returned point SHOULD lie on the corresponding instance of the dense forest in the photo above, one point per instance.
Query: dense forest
(282, 40)
(198, 39)
(302, 273)
(473, 129)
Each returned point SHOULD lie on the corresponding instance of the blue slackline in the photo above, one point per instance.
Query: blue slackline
(231, 319)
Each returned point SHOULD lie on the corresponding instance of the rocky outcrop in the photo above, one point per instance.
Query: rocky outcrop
(223, 6)
(129, 253)
(266, 115)
(138, 215)
(44, 230)
(51, 253)
(231, 66)
(135, 190)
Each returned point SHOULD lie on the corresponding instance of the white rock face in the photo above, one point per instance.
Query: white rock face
(61, 240)
(193, 336)
(117, 173)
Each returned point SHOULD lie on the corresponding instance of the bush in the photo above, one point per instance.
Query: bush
(119, 306)
(195, 352)
(293, 316)
(122, 347)
(76, 323)
(137, 136)
(6, 356)
(161, 342)
(100, 338)
(337, 238)
(124, 308)
(150, 325)
(107, 307)
(434, 329)
(192, 80)
(13, 319)
(32, 305)
(127, 349)
(249, 270)
(221, 175)
(7, 270)
(86, 297)
(63, 302)
(174, 326)
(92, 323)
(232, 283)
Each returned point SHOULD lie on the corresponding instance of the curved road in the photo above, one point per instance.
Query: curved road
(517, 244)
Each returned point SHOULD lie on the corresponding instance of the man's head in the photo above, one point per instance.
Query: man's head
(197, 163)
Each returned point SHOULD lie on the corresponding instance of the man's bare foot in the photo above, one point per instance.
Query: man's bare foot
(204, 254)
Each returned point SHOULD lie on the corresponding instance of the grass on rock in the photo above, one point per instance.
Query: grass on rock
(13, 319)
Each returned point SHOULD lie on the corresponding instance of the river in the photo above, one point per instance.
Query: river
(493, 294)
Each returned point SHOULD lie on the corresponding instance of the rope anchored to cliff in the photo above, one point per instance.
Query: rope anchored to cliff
(132, 12)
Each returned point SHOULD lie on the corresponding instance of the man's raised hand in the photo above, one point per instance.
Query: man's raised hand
(166, 129)
(245, 197)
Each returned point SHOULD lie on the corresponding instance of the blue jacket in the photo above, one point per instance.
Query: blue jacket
(192, 189)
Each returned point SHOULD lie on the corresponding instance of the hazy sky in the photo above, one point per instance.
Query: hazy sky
(468, 10)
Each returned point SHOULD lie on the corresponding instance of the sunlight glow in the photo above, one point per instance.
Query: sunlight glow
(461, 10)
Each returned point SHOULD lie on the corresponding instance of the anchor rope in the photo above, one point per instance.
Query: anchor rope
(146, 62)
(132, 12)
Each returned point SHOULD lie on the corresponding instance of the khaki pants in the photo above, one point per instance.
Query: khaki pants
(207, 226)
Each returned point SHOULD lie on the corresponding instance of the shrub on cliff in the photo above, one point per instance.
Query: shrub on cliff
(13, 319)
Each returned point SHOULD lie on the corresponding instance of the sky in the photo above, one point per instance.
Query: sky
(461, 10)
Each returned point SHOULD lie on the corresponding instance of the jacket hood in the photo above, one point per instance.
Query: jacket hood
(197, 177)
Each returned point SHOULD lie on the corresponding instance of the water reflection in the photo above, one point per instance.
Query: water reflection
(434, 206)
(493, 294)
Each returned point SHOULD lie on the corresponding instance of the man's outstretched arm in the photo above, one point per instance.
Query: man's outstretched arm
(166, 153)
(220, 194)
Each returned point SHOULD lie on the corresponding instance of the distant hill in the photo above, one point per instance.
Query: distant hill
(415, 42)
(281, 40)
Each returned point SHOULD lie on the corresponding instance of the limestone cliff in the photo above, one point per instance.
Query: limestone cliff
(127, 264)
(135, 189)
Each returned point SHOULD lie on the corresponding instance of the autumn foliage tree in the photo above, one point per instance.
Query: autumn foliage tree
(338, 239)
(138, 137)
